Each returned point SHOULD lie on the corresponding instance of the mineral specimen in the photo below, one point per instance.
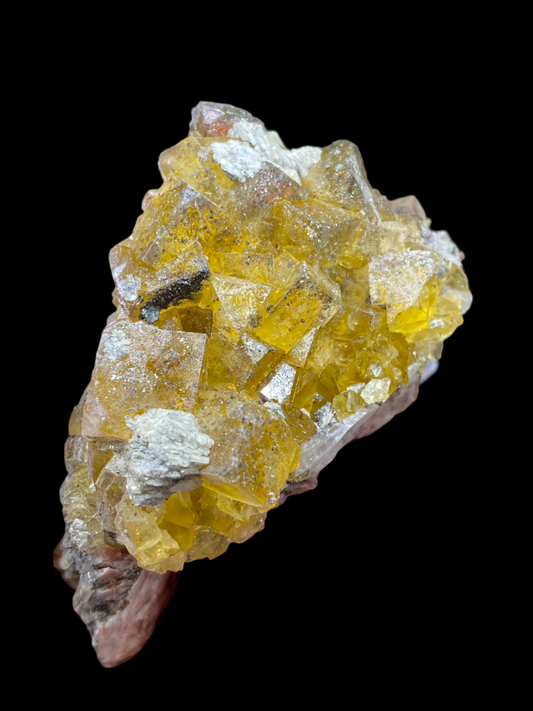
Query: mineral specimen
(270, 307)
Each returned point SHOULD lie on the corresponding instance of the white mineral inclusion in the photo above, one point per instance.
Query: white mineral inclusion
(243, 158)
(238, 159)
(295, 163)
(129, 287)
(165, 454)
(117, 346)
(325, 417)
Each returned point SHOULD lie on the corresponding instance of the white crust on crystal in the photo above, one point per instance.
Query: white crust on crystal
(253, 348)
(128, 287)
(238, 159)
(325, 417)
(165, 454)
(117, 345)
(280, 387)
(244, 158)
(267, 144)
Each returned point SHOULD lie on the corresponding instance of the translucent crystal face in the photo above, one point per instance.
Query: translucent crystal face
(269, 303)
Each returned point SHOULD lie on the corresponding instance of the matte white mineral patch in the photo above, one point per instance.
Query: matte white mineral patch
(165, 454)
(117, 346)
(238, 159)
(295, 163)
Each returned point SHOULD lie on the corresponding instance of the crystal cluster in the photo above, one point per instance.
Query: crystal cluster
(270, 307)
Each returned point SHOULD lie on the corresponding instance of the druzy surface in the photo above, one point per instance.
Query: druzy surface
(271, 306)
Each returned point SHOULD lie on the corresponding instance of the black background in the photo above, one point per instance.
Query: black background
(387, 558)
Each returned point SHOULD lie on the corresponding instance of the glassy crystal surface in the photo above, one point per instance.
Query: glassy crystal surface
(271, 306)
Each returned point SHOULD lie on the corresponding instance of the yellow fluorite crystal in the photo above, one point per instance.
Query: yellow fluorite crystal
(267, 300)
(139, 367)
